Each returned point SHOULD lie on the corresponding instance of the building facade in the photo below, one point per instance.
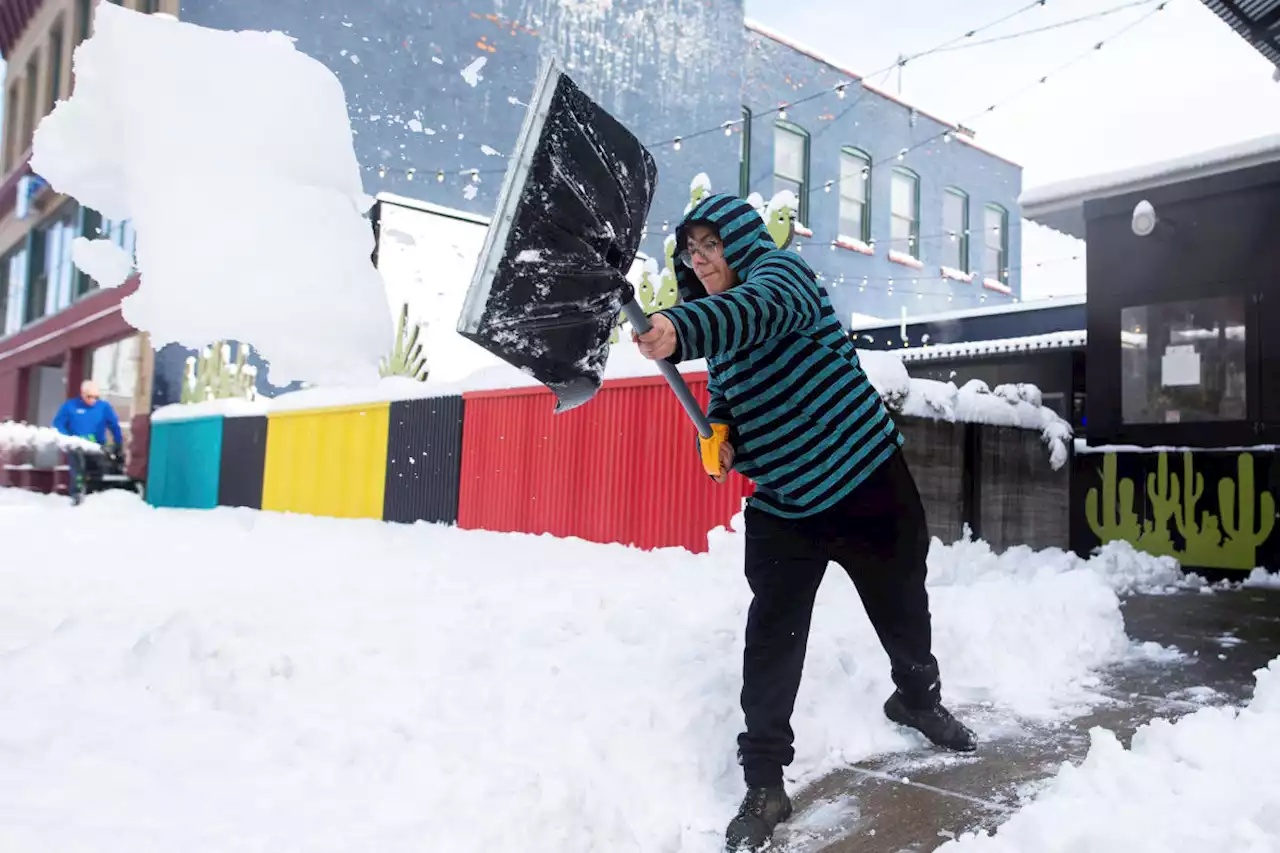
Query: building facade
(437, 94)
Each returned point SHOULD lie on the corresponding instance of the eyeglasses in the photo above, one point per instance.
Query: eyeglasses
(709, 250)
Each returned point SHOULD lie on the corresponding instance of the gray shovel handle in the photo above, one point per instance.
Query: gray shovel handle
(640, 322)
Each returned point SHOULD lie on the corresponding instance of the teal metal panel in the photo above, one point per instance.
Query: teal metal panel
(184, 463)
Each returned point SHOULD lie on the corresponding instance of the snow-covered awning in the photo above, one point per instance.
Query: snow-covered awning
(1060, 206)
(1031, 343)
(1257, 21)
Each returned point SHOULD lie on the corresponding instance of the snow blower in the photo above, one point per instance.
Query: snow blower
(551, 277)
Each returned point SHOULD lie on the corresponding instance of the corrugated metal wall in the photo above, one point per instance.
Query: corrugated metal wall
(244, 455)
(1022, 500)
(329, 462)
(424, 460)
(623, 468)
(183, 463)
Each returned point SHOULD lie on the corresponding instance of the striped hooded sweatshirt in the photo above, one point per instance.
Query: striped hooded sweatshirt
(806, 424)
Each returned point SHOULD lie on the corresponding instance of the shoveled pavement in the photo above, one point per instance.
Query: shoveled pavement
(916, 801)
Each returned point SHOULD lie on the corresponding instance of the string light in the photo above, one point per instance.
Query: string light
(676, 144)
(440, 177)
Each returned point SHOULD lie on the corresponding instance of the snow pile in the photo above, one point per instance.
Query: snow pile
(231, 153)
(104, 261)
(344, 684)
(230, 407)
(1205, 783)
(1010, 405)
(17, 437)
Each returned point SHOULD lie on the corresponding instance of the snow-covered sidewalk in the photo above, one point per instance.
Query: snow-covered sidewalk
(236, 680)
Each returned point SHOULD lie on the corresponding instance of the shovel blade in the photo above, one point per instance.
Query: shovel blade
(551, 278)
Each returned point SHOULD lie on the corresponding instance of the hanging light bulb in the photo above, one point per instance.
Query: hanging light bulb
(902, 155)
(840, 91)
(665, 226)
(677, 144)
(919, 296)
(828, 187)
(475, 176)
(728, 128)
(382, 171)
(409, 174)
(782, 113)
(948, 136)
(440, 176)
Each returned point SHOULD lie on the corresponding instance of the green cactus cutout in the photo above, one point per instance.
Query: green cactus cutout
(1162, 491)
(1230, 542)
(406, 358)
(212, 375)
(1237, 503)
(1115, 521)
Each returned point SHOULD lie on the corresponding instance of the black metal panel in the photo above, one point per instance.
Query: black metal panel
(424, 460)
(244, 455)
(1023, 500)
(980, 325)
(935, 453)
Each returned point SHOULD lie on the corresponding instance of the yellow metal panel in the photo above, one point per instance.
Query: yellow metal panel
(330, 462)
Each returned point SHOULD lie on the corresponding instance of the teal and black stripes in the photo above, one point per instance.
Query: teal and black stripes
(806, 423)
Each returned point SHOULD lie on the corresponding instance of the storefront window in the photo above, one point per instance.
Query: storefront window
(117, 368)
(1184, 361)
(13, 267)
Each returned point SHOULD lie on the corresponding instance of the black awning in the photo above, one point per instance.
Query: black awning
(1258, 21)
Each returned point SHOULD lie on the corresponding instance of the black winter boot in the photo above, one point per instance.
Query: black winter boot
(935, 723)
(761, 811)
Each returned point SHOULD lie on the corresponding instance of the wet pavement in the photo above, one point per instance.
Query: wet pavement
(916, 801)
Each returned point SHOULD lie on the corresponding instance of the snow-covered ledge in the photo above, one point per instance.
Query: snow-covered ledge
(905, 259)
(1020, 406)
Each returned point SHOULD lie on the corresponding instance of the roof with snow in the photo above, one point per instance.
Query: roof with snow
(1060, 206)
(1003, 346)
(972, 326)
(1257, 21)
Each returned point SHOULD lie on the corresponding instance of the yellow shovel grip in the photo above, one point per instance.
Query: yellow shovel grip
(711, 448)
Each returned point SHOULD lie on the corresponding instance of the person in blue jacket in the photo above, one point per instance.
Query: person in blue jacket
(90, 417)
(792, 410)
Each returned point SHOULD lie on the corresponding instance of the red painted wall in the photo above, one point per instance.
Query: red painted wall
(621, 468)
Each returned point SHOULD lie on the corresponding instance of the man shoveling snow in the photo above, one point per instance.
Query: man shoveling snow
(793, 410)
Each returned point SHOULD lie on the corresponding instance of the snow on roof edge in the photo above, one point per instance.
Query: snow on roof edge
(783, 39)
(965, 313)
(1026, 343)
(428, 207)
(1074, 192)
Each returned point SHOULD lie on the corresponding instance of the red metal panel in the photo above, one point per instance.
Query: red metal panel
(622, 468)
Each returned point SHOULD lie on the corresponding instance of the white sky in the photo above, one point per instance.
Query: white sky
(1180, 82)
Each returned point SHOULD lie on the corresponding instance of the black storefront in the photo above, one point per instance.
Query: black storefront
(1183, 356)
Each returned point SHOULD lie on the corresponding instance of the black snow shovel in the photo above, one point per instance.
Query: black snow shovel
(551, 278)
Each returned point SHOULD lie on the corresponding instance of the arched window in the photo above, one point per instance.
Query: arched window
(955, 222)
(855, 194)
(904, 200)
(791, 164)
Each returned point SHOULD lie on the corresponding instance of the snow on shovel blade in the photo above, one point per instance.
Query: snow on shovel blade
(550, 280)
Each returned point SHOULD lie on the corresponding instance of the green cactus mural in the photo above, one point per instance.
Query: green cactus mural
(406, 358)
(780, 220)
(1230, 540)
(1117, 519)
(212, 375)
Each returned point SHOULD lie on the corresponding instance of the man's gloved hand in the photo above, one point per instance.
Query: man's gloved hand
(717, 453)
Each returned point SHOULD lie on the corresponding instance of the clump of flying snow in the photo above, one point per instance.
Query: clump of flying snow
(472, 72)
(231, 153)
(16, 437)
(325, 687)
(1206, 782)
(106, 263)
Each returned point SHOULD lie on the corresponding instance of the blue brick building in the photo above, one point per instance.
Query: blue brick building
(437, 90)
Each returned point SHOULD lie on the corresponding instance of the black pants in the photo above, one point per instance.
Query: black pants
(879, 536)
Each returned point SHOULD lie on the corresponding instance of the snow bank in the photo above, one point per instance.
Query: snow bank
(16, 436)
(231, 153)
(352, 685)
(1205, 783)
(104, 261)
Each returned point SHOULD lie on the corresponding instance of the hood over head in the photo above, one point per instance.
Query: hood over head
(742, 231)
